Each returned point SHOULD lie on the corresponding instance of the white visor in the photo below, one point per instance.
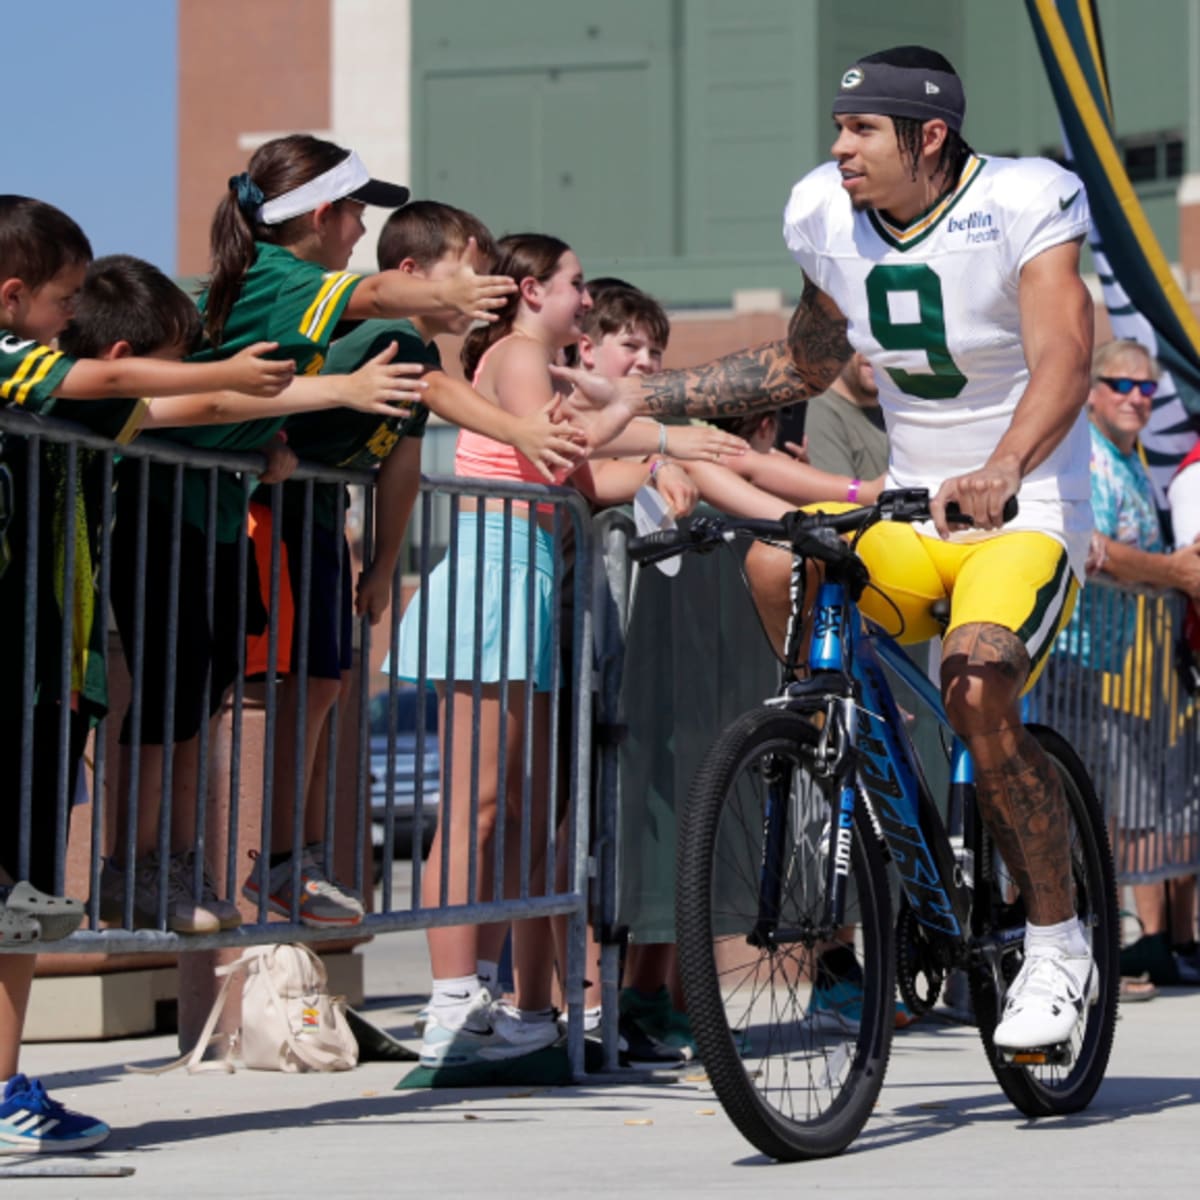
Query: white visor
(348, 177)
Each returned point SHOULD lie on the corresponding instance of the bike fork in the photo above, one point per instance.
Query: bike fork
(774, 855)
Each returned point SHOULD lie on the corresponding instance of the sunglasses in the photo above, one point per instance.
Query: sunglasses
(1124, 386)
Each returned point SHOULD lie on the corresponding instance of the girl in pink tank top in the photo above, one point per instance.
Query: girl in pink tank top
(508, 363)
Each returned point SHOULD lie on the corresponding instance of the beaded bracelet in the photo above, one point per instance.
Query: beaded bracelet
(852, 490)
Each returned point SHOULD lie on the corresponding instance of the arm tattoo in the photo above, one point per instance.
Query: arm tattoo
(771, 375)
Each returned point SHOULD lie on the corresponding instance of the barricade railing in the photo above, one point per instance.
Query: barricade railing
(1117, 687)
(227, 783)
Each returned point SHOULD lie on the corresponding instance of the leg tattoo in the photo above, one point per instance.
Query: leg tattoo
(1020, 795)
(1022, 803)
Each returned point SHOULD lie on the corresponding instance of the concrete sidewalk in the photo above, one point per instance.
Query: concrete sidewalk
(942, 1126)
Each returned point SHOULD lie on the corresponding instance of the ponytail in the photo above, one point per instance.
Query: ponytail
(276, 167)
(483, 337)
(521, 256)
(231, 239)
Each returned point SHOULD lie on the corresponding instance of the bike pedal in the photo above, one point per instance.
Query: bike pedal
(1040, 1056)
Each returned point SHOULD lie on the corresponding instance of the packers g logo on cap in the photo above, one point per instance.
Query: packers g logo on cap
(852, 78)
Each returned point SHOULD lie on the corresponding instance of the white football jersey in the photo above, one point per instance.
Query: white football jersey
(933, 305)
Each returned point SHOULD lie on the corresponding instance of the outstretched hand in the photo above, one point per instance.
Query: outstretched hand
(476, 296)
(595, 404)
(252, 373)
(677, 488)
(382, 386)
(703, 442)
(551, 442)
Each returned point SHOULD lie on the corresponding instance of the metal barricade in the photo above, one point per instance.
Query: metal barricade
(205, 781)
(1135, 726)
(1115, 689)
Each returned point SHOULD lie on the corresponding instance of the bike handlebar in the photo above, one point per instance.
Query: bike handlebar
(810, 534)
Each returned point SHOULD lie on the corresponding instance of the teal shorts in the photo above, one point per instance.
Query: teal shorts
(506, 625)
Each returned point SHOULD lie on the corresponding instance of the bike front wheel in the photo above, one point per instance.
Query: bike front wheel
(793, 1021)
(1042, 1090)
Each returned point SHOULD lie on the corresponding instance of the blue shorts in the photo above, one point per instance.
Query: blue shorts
(501, 642)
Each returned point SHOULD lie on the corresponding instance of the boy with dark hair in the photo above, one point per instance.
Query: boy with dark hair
(621, 311)
(430, 241)
(44, 259)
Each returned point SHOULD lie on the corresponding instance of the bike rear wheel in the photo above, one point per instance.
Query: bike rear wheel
(797, 1065)
(1050, 1090)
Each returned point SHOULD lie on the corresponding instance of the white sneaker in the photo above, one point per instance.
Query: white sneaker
(518, 1032)
(491, 1031)
(1047, 1000)
(445, 1045)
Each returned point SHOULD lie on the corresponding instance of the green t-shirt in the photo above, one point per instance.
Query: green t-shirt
(29, 372)
(283, 299)
(344, 437)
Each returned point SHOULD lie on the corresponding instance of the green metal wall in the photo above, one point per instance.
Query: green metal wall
(661, 137)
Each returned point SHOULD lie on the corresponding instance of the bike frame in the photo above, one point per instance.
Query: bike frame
(874, 755)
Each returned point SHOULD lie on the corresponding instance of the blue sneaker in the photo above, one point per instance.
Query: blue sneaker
(837, 1008)
(32, 1123)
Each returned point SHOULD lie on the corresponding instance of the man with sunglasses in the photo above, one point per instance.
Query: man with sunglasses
(1128, 544)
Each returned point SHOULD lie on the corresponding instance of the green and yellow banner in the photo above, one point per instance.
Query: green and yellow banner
(1143, 299)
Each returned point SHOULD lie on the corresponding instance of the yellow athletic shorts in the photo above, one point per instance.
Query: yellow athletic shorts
(1020, 581)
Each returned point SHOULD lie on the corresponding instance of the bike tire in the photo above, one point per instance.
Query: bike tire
(1043, 1091)
(793, 1087)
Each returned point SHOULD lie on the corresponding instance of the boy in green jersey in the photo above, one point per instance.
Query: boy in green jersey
(433, 242)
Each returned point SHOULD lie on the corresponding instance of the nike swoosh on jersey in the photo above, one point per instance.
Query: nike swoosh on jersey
(1063, 205)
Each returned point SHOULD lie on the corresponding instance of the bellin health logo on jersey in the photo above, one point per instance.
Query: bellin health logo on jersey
(978, 227)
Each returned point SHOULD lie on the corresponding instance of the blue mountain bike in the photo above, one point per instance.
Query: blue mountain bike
(789, 952)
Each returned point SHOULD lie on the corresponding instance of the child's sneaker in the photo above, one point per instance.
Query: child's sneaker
(520, 1032)
(836, 1002)
(32, 1123)
(323, 902)
(835, 1006)
(492, 1031)
(658, 1019)
(185, 914)
(445, 1045)
(226, 912)
(638, 1049)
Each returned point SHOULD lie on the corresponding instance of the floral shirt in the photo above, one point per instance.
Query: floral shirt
(1124, 509)
(1123, 497)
